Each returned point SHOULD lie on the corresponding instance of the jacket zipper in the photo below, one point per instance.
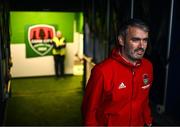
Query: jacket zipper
(133, 72)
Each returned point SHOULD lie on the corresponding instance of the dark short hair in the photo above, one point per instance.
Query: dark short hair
(133, 23)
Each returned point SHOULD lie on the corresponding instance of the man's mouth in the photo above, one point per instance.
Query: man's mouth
(140, 51)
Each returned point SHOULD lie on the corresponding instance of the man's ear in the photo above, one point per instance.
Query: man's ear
(121, 40)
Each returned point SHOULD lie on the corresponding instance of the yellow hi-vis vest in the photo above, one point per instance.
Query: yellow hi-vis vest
(58, 43)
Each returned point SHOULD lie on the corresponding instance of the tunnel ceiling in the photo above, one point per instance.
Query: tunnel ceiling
(46, 5)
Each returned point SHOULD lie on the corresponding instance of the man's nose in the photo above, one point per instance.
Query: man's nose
(141, 44)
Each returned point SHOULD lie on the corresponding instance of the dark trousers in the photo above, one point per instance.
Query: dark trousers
(59, 65)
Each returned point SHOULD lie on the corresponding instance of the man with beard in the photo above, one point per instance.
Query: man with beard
(117, 93)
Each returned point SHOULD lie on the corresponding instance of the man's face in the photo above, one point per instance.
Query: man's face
(135, 44)
(59, 34)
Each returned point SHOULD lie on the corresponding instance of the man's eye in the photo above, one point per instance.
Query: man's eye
(139, 39)
(136, 39)
(145, 40)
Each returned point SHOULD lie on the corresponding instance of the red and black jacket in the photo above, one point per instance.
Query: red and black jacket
(117, 93)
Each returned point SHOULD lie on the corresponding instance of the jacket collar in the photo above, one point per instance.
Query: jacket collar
(116, 55)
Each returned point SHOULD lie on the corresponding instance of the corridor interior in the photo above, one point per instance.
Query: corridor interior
(45, 101)
(48, 101)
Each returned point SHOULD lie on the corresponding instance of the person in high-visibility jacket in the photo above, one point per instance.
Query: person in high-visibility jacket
(58, 52)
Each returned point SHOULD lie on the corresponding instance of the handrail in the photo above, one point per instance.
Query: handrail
(88, 59)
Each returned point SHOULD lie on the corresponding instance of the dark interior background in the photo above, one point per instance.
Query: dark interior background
(101, 21)
(46, 5)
